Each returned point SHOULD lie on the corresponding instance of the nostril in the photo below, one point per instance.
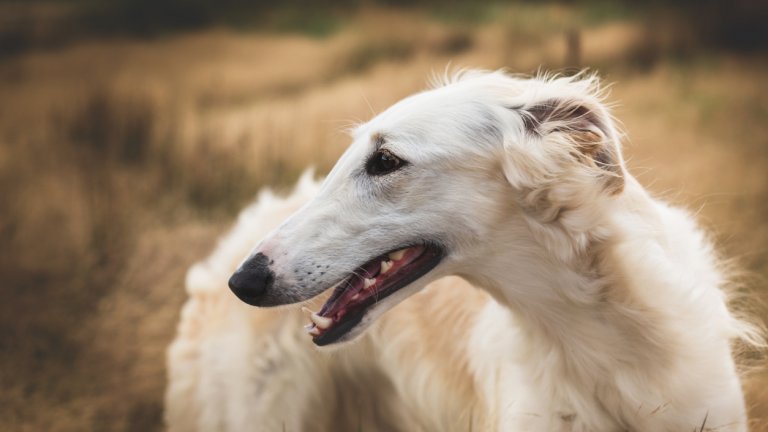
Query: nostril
(253, 279)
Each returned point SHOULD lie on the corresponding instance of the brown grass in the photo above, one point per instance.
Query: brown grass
(121, 161)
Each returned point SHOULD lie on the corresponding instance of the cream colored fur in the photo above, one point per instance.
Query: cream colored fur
(606, 309)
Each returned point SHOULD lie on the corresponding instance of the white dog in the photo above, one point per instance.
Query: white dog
(607, 312)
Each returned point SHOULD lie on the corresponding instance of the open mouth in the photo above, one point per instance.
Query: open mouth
(366, 285)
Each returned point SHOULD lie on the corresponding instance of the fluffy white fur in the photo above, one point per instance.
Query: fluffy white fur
(606, 309)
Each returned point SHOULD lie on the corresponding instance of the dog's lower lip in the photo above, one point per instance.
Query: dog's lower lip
(366, 285)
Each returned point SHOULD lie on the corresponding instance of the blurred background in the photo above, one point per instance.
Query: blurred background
(132, 132)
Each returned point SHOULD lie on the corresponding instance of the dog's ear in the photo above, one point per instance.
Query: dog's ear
(585, 129)
(564, 156)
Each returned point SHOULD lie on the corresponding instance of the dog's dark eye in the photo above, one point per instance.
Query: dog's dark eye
(383, 162)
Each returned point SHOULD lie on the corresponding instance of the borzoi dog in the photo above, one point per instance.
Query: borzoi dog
(603, 308)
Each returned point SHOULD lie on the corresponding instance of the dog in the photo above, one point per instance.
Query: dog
(498, 268)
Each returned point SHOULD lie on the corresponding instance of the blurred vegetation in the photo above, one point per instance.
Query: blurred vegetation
(132, 131)
(28, 25)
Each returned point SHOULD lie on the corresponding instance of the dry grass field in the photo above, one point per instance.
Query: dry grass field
(122, 160)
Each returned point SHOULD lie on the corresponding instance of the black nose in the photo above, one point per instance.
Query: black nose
(253, 279)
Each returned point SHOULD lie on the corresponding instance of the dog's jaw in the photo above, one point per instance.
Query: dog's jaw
(365, 288)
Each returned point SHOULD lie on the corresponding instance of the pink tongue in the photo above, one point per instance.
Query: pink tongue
(369, 270)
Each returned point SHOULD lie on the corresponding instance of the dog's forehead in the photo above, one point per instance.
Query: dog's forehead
(420, 110)
(431, 121)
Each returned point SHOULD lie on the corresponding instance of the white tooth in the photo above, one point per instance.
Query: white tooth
(367, 283)
(321, 322)
(397, 255)
(385, 266)
(355, 297)
(314, 331)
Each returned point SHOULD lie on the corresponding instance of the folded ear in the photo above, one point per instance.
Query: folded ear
(584, 129)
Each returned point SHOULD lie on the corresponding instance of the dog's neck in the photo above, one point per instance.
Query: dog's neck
(634, 334)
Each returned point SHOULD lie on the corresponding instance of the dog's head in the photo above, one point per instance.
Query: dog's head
(440, 183)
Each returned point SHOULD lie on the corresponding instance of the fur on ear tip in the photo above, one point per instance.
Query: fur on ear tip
(606, 160)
